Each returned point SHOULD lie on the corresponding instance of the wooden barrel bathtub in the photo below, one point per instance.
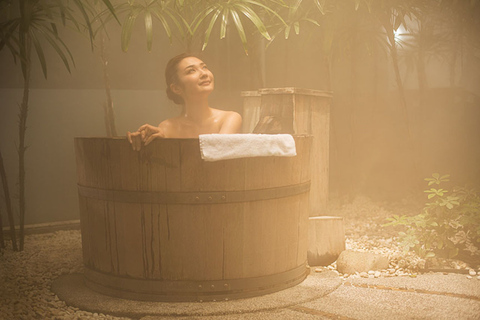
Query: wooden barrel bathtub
(164, 225)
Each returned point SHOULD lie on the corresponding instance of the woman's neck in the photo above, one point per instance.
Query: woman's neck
(197, 111)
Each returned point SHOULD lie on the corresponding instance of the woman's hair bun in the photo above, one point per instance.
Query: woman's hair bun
(173, 96)
(171, 76)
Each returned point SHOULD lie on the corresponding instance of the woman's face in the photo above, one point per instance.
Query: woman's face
(194, 78)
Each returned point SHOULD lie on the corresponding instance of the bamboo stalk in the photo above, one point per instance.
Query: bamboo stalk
(2, 241)
(22, 128)
(108, 105)
(8, 203)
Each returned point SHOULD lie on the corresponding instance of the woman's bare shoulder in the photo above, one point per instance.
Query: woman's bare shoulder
(231, 121)
(226, 114)
(170, 127)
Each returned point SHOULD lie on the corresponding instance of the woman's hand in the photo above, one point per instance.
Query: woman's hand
(145, 134)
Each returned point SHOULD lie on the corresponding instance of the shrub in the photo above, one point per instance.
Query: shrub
(449, 222)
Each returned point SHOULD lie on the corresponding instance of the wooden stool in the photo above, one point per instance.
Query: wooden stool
(326, 240)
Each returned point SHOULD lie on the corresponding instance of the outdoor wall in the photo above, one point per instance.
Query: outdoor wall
(56, 117)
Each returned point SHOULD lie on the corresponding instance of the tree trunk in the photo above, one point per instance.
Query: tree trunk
(421, 74)
(403, 101)
(8, 204)
(353, 182)
(108, 105)
(26, 44)
(2, 240)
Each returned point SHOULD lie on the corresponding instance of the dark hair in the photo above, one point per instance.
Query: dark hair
(171, 76)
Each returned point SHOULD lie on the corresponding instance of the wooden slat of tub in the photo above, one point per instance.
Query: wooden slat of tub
(187, 246)
(191, 178)
(178, 241)
(98, 240)
(153, 241)
(129, 239)
(213, 233)
(286, 237)
(171, 153)
(163, 251)
(199, 175)
(223, 175)
(254, 174)
(123, 172)
(111, 236)
(93, 162)
(303, 211)
(85, 227)
(259, 242)
(80, 160)
(233, 240)
(159, 163)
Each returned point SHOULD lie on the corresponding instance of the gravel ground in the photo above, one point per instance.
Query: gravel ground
(26, 277)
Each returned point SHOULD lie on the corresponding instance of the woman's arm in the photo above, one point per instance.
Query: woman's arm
(232, 123)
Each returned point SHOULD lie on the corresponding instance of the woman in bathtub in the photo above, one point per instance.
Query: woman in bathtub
(189, 83)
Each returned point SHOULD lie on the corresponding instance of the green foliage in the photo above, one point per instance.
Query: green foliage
(194, 18)
(450, 222)
(28, 23)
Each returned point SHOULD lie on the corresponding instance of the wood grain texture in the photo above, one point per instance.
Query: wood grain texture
(301, 111)
(190, 242)
(251, 110)
(326, 240)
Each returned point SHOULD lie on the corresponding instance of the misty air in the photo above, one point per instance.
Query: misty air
(181, 159)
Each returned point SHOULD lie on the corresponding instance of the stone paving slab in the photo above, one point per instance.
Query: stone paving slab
(349, 302)
(71, 289)
(436, 282)
(321, 296)
(279, 314)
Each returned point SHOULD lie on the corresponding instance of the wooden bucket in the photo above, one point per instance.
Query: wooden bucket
(163, 225)
(326, 236)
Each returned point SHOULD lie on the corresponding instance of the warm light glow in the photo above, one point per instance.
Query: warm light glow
(400, 34)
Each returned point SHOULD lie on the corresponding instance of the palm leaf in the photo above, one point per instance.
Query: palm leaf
(320, 5)
(315, 22)
(201, 16)
(266, 8)
(68, 15)
(6, 39)
(56, 42)
(40, 54)
(128, 27)
(223, 26)
(149, 29)
(210, 27)
(86, 18)
(172, 16)
(287, 31)
(252, 16)
(357, 4)
(111, 8)
(240, 30)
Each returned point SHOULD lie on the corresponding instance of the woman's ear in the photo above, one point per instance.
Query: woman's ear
(176, 89)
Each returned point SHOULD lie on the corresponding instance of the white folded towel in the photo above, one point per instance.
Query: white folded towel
(214, 147)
